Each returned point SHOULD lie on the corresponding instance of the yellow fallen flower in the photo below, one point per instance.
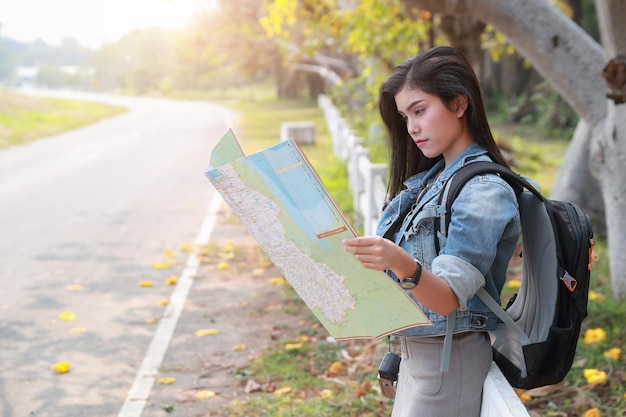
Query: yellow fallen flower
(166, 380)
(186, 248)
(78, 330)
(595, 376)
(74, 287)
(164, 302)
(67, 316)
(145, 283)
(613, 353)
(282, 391)
(61, 367)
(240, 347)
(514, 283)
(206, 332)
(173, 280)
(326, 393)
(168, 253)
(245, 303)
(223, 266)
(592, 412)
(163, 265)
(595, 296)
(277, 281)
(229, 246)
(204, 394)
(292, 346)
(336, 368)
(594, 336)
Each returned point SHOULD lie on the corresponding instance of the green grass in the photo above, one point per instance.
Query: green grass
(25, 119)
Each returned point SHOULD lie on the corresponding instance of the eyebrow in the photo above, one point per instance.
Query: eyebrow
(413, 104)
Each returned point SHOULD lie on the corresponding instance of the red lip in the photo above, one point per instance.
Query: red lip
(420, 142)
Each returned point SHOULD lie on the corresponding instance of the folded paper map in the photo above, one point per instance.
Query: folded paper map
(279, 198)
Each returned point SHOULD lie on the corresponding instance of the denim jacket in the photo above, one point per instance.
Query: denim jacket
(478, 245)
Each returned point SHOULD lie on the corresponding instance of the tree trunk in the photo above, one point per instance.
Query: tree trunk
(571, 61)
(464, 32)
(576, 185)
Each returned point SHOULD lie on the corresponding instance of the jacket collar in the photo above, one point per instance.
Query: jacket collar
(468, 155)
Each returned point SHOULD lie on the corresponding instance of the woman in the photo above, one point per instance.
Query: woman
(433, 110)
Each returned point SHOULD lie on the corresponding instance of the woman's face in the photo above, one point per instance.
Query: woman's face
(434, 129)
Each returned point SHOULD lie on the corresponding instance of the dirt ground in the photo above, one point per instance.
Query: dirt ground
(246, 307)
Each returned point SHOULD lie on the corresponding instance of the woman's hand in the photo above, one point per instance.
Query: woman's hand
(378, 253)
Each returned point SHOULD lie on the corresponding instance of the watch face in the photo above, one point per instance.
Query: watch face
(408, 283)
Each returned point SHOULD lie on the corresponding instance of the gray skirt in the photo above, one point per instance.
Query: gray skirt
(424, 391)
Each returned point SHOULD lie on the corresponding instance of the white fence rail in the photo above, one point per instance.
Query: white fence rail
(367, 182)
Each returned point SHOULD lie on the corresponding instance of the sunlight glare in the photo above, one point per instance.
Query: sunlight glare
(92, 22)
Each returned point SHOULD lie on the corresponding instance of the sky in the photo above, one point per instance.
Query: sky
(92, 22)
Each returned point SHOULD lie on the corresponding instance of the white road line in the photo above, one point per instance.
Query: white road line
(146, 375)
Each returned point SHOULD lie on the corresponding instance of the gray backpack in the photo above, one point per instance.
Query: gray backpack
(536, 342)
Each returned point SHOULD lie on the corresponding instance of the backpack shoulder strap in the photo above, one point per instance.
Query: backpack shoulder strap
(464, 174)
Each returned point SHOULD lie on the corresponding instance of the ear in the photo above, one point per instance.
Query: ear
(459, 105)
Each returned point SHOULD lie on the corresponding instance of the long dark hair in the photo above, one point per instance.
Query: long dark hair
(443, 72)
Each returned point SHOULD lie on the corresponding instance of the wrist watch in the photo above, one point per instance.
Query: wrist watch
(410, 283)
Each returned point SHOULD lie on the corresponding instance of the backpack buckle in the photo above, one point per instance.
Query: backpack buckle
(569, 281)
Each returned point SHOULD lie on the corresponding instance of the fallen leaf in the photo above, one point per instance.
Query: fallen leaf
(78, 330)
(252, 386)
(61, 367)
(245, 303)
(240, 347)
(145, 283)
(277, 281)
(223, 266)
(168, 253)
(164, 302)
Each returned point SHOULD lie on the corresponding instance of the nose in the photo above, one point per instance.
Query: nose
(412, 127)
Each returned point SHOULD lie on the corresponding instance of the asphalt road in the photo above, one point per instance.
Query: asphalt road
(94, 209)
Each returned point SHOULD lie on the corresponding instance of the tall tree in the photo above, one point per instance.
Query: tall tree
(590, 76)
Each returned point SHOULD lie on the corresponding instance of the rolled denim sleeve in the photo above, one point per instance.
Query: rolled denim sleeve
(484, 213)
(464, 279)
